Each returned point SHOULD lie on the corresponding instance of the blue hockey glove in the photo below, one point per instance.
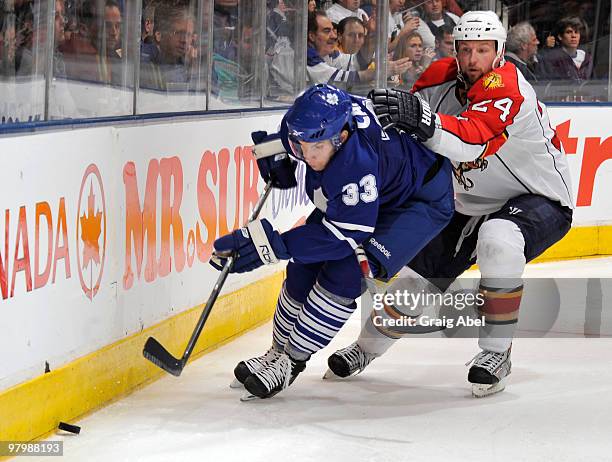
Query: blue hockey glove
(273, 161)
(255, 245)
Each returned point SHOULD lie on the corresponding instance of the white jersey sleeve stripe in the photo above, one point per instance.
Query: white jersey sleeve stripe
(352, 226)
(338, 234)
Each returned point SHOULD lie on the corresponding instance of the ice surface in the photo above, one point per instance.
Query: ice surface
(412, 404)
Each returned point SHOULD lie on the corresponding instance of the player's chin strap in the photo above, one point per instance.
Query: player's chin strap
(500, 59)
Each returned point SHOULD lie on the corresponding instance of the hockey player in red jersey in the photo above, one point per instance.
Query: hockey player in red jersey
(512, 188)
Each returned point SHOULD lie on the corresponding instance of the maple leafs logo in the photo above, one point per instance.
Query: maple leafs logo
(91, 227)
(332, 99)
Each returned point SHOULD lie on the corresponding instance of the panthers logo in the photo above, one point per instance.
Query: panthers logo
(492, 80)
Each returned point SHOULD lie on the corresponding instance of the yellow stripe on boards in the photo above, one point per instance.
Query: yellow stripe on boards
(33, 409)
(581, 242)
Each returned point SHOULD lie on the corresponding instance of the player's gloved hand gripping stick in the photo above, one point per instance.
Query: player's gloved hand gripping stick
(258, 243)
(277, 170)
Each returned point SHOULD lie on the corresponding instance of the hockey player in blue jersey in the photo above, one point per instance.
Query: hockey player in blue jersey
(382, 191)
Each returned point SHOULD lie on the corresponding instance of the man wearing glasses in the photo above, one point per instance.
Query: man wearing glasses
(171, 68)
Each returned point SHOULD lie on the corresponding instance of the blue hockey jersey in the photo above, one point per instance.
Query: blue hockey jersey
(373, 172)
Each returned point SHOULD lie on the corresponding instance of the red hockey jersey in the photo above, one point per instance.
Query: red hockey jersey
(500, 140)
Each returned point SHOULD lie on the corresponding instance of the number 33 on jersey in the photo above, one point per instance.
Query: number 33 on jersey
(365, 191)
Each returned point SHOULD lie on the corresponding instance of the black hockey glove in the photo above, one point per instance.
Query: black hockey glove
(405, 111)
(273, 161)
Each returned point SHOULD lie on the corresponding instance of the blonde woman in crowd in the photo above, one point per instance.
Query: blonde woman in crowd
(411, 46)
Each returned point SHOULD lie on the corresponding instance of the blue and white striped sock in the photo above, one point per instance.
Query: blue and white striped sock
(286, 312)
(322, 316)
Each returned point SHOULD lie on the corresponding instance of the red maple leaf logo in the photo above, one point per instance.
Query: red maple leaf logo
(91, 226)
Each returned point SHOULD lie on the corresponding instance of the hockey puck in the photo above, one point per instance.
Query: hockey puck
(69, 428)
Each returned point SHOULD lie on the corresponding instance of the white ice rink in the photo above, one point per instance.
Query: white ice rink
(412, 404)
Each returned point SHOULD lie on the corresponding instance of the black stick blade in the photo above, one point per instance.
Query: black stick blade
(158, 355)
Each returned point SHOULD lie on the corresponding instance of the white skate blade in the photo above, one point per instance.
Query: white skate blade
(480, 390)
(248, 397)
(329, 375)
(236, 384)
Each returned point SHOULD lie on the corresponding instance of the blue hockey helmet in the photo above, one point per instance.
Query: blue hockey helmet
(320, 113)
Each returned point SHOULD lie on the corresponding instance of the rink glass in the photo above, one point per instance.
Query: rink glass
(60, 60)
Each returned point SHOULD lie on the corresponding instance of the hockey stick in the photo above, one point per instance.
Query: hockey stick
(155, 351)
(368, 277)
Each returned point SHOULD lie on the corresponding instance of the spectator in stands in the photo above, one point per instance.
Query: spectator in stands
(60, 22)
(225, 25)
(247, 84)
(149, 46)
(70, 28)
(522, 48)
(567, 62)
(397, 23)
(579, 9)
(81, 52)
(411, 46)
(405, 21)
(112, 33)
(277, 23)
(8, 45)
(95, 54)
(148, 22)
(312, 6)
(445, 45)
(345, 8)
(171, 69)
(352, 35)
(436, 15)
(325, 64)
(369, 6)
(280, 55)
(453, 7)
(29, 63)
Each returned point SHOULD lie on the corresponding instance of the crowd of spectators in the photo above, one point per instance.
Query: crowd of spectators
(420, 32)
(89, 43)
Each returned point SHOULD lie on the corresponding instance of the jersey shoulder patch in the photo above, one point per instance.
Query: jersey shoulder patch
(438, 72)
(499, 83)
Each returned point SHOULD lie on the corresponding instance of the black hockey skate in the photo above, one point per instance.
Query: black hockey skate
(272, 378)
(489, 372)
(245, 368)
(348, 361)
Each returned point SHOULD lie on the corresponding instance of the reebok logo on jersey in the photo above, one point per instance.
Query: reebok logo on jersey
(245, 233)
(380, 247)
(425, 113)
(514, 211)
